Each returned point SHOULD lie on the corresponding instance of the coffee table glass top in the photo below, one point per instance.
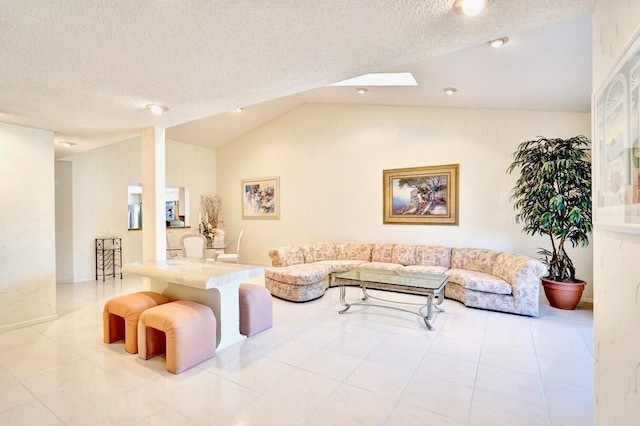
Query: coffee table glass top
(424, 280)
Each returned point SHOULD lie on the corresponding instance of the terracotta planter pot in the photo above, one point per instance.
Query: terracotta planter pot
(563, 295)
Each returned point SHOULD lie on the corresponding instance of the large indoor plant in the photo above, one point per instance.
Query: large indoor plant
(552, 197)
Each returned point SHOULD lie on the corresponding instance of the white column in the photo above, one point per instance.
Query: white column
(154, 240)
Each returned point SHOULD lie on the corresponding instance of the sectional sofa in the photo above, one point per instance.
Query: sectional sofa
(479, 278)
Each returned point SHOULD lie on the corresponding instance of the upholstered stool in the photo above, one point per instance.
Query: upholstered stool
(256, 309)
(185, 330)
(120, 317)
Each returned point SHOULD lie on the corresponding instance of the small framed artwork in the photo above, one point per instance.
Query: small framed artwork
(421, 195)
(261, 198)
(616, 147)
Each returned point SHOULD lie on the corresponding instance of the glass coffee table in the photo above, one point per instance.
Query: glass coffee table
(422, 283)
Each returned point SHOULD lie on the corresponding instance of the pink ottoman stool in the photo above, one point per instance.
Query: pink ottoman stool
(256, 309)
(120, 317)
(185, 330)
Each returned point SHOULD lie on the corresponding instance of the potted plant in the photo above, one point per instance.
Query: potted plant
(552, 198)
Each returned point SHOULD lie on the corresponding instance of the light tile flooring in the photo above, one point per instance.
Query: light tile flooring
(314, 367)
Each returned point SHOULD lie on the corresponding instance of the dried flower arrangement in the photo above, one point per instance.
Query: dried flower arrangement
(212, 208)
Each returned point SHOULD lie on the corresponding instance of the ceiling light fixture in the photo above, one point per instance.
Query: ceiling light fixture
(450, 90)
(157, 109)
(471, 7)
(362, 90)
(239, 109)
(67, 144)
(498, 42)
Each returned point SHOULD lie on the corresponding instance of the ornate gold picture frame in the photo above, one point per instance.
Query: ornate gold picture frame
(421, 195)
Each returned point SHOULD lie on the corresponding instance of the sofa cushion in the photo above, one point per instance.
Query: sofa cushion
(299, 274)
(479, 281)
(381, 265)
(341, 265)
(382, 253)
(471, 259)
(324, 251)
(308, 253)
(353, 251)
(404, 254)
(426, 268)
(285, 256)
(433, 256)
(318, 251)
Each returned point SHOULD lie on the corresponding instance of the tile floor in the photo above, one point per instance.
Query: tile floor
(314, 367)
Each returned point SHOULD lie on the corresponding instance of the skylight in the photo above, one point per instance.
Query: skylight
(380, 79)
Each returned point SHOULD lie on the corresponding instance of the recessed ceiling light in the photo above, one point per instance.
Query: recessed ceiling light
(450, 90)
(498, 42)
(67, 144)
(157, 109)
(389, 79)
(239, 109)
(362, 90)
(471, 7)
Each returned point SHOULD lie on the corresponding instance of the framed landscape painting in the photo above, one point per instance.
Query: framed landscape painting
(421, 195)
(617, 145)
(261, 198)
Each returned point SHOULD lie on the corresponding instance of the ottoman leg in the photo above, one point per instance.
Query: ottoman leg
(151, 342)
(256, 309)
(113, 327)
(185, 350)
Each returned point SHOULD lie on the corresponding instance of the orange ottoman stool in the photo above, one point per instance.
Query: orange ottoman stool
(256, 309)
(185, 330)
(120, 317)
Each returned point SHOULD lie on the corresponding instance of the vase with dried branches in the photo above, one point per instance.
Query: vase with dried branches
(212, 207)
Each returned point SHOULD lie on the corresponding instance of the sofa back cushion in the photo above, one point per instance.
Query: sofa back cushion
(404, 254)
(382, 253)
(286, 256)
(353, 251)
(315, 252)
(324, 251)
(479, 260)
(433, 256)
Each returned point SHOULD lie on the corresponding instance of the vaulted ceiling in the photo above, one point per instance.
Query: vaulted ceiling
(86, 69)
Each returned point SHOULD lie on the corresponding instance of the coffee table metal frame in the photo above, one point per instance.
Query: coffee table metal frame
(430, 285)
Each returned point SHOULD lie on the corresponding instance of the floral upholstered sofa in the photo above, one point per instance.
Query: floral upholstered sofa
(479, 278)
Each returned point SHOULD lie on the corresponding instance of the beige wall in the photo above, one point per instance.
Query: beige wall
(27, 221)
(64, 221)
(616, 256)
(100, 180)
(330, 159)
(192, 167)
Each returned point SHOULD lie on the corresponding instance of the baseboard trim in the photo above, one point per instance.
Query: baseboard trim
(28, 323)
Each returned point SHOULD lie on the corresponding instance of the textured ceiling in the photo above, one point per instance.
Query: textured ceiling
(86, 68)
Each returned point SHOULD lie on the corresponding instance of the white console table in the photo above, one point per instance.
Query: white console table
(210, 283)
